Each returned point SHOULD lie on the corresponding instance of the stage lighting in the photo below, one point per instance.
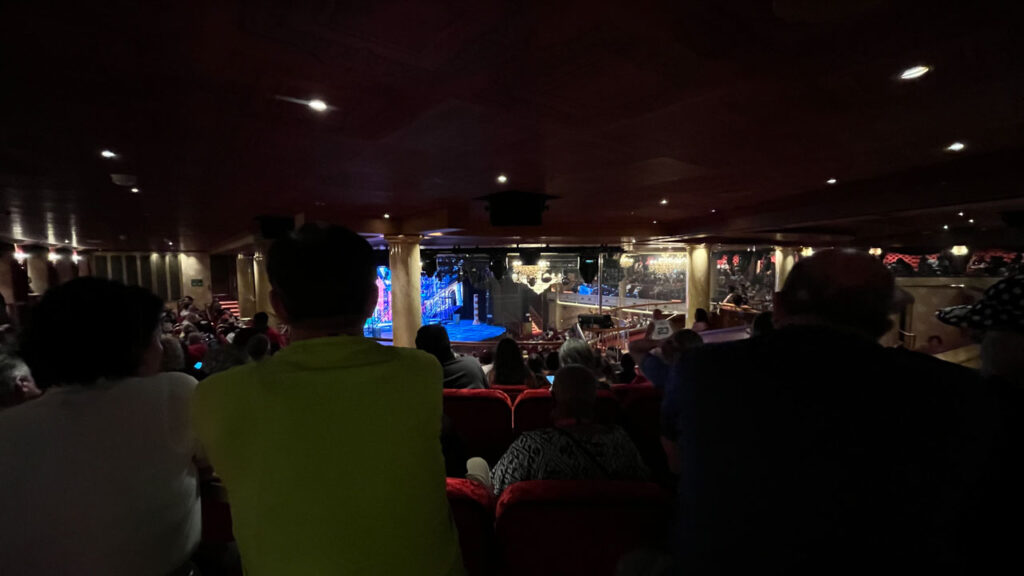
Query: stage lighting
(498, 266)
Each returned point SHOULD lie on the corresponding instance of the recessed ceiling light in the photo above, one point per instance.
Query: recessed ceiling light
(664, 201)
(955, 147)
(713, 210)
(831, 181)
(502, 178)
(135, 190)
(108, 154)
(654, 222)
(318, 105)
(945, 226)
(387, 216)
(66, 240)
(960, 214)
(914, 72)
(971, 221)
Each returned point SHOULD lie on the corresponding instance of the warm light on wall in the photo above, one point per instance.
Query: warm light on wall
(53, 256)
(959, 250)
(75, 257)
(875, 251)
(19, 255)
(806, 251)
(626, 261)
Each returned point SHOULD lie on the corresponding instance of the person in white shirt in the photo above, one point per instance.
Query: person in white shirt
(98, 474)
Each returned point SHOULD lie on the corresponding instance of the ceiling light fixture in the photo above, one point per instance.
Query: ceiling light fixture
(664, 201)
(875, 251)
(955, 147)
(318, 105)
(959, 250)
(960, 214)
(387, 216)
(75, 257)
(436, 234)
(502, 178)
(108, 154)
(19, 255)
(914, 72)
(713, 210)
(945, 226)
(135, 190)
(654, 222)
(831, 181)
(971, 221)
(53, 256)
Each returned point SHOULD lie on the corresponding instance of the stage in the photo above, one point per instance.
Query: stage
(461, 331)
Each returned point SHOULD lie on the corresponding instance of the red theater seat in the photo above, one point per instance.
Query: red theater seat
(512, 391)
(473, 510)
(482, 419)
(532, 410)
(567, 527)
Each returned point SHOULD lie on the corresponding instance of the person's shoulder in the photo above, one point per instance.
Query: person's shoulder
(176, 380)
(920, 363)
(414, 357)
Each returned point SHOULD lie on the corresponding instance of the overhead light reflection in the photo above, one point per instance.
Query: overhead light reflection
(914, 72)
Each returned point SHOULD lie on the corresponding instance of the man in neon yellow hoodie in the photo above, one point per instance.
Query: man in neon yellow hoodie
(330, 450)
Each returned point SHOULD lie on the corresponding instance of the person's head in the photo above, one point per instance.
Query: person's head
(74, 339)
(701, 315)
(841, 288)
(535, 362)
(172, 358)
(195, 338)
(576, 351)
(509, 368)
(433, 339)
(260, 320)
(258, 347)
(323, 278)
(16, 382)
(628, 363)
(762, 324)
(551, 363)
(575, 393)
(679, 343)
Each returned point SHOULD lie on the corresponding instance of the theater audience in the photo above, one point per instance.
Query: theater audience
(258, 347)
(535, 362)
(509, 368)
(657, 357)
(701, 320)
(172, 358)
(579, 353)
(628, 373)
(459, 372)
(997, 319)
(762, 324)
(487, 360)
(330, 448)
(98, 475)
(813, 447)
(16, 382)
(197, 349)
(261, 324)
(575, 448)
(551, 363)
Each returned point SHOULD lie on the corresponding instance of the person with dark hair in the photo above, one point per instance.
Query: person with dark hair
(535, 362)
(575, 448)
(509, 368)
(261, 325)
(331, 448)
(551, 363)
(628, 373)
(16, 382)
(817, 443)
(459, 372)
(104, 481)
(486, 359)
(762, 324)
(701, 320)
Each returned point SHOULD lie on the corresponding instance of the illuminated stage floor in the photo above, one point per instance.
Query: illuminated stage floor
(463, 331)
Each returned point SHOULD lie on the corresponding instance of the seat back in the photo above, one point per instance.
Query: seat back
(512, 391)
(559, 527)
(473, 510)
(641, 407)
(532, 410)
(482, 419)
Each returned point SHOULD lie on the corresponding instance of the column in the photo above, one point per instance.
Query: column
(406, 313)
(698, 281)
(85, 266)
(262, 286)
(38, 272)
(784, 260)
(246, 287)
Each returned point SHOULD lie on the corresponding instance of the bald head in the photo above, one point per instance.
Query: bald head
(838, 287)
(575, 392)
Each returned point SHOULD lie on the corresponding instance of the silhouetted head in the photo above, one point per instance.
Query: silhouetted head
(90, 329)
(260, 321)
(323, 277)
(575, 393)
(841, 288)
(628, 363)
(509, 368)
(576, 351)
(701, 315)
(433, 339)
(762, 324)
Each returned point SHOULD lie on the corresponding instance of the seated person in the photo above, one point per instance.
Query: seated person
(628, 373)
(657, 357)
(459, 372)
(535, 362)
(576, 448)
(16, 382)
(578, 352)
(104, 481)
(509, 368)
